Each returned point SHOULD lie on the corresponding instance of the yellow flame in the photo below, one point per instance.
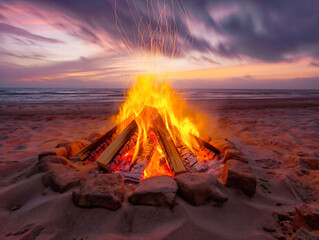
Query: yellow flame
(180, 121)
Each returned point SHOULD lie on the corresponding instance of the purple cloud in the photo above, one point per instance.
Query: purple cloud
(11, 30)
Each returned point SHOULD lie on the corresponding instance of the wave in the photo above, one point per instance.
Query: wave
(46, 95)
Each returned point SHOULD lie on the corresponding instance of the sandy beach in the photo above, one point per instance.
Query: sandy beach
(279, 137)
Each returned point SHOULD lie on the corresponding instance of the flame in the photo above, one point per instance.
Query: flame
(180, 121)
(157, 166)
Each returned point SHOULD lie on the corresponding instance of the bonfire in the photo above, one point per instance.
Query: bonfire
(156, 134)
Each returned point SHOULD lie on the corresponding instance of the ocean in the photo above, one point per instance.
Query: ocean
(51, 95)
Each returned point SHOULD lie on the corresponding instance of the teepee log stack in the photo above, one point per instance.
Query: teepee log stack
(158, 126)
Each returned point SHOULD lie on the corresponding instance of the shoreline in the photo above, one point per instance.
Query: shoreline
(102, 108)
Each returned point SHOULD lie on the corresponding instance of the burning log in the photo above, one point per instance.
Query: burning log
(146, 151)
(113, 149)
(206, 145)
(85, 152)
(158, 155)
(190, 160)
(168, 144)
(169, 147)
(137, 166)
(101, 142)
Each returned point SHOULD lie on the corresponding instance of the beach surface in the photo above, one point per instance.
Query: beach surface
(280, 138)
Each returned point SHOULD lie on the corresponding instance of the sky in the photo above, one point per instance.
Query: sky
(230, 44)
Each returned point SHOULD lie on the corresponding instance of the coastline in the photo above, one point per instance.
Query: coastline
(98, 108)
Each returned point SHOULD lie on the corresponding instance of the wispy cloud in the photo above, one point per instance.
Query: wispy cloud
(82, 40)
(11, 30)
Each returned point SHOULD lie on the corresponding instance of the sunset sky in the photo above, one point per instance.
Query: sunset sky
(218, 43)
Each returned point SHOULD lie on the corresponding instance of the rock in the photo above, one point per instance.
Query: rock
(43, 165)
(55, 159)
(61, 178)
(155, 191)
(105, 190)
(307, 215)
(238, 175)
(200, 188)
(235, 155)
(304, 234)
(61, 151)
(73, 147)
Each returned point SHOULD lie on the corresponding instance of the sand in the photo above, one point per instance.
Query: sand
(279, 137)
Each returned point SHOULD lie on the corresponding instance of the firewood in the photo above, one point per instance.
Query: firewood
(169, 146)
(146, 152)
(190, 160)
(114, 148)
(85, 152)
(206, 145)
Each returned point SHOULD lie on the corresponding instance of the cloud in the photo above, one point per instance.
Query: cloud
(314, 64)
(207, 59)
(15, 31)
(264, 30)
(248, 82)
(96, 69)
(249, 30)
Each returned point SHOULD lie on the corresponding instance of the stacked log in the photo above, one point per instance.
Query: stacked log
(189, 159)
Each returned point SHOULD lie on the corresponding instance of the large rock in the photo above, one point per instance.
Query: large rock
(156, 191)
(60, 151)
(43, 165)
(61, 178)
(307, 215)
(54, 159)
(234, 154)
(304, 234)
(73, 147)
(200, 188)
(238, 175)
(105, 190)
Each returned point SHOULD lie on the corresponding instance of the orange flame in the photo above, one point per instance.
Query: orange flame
(179, 120)
(158, 165)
